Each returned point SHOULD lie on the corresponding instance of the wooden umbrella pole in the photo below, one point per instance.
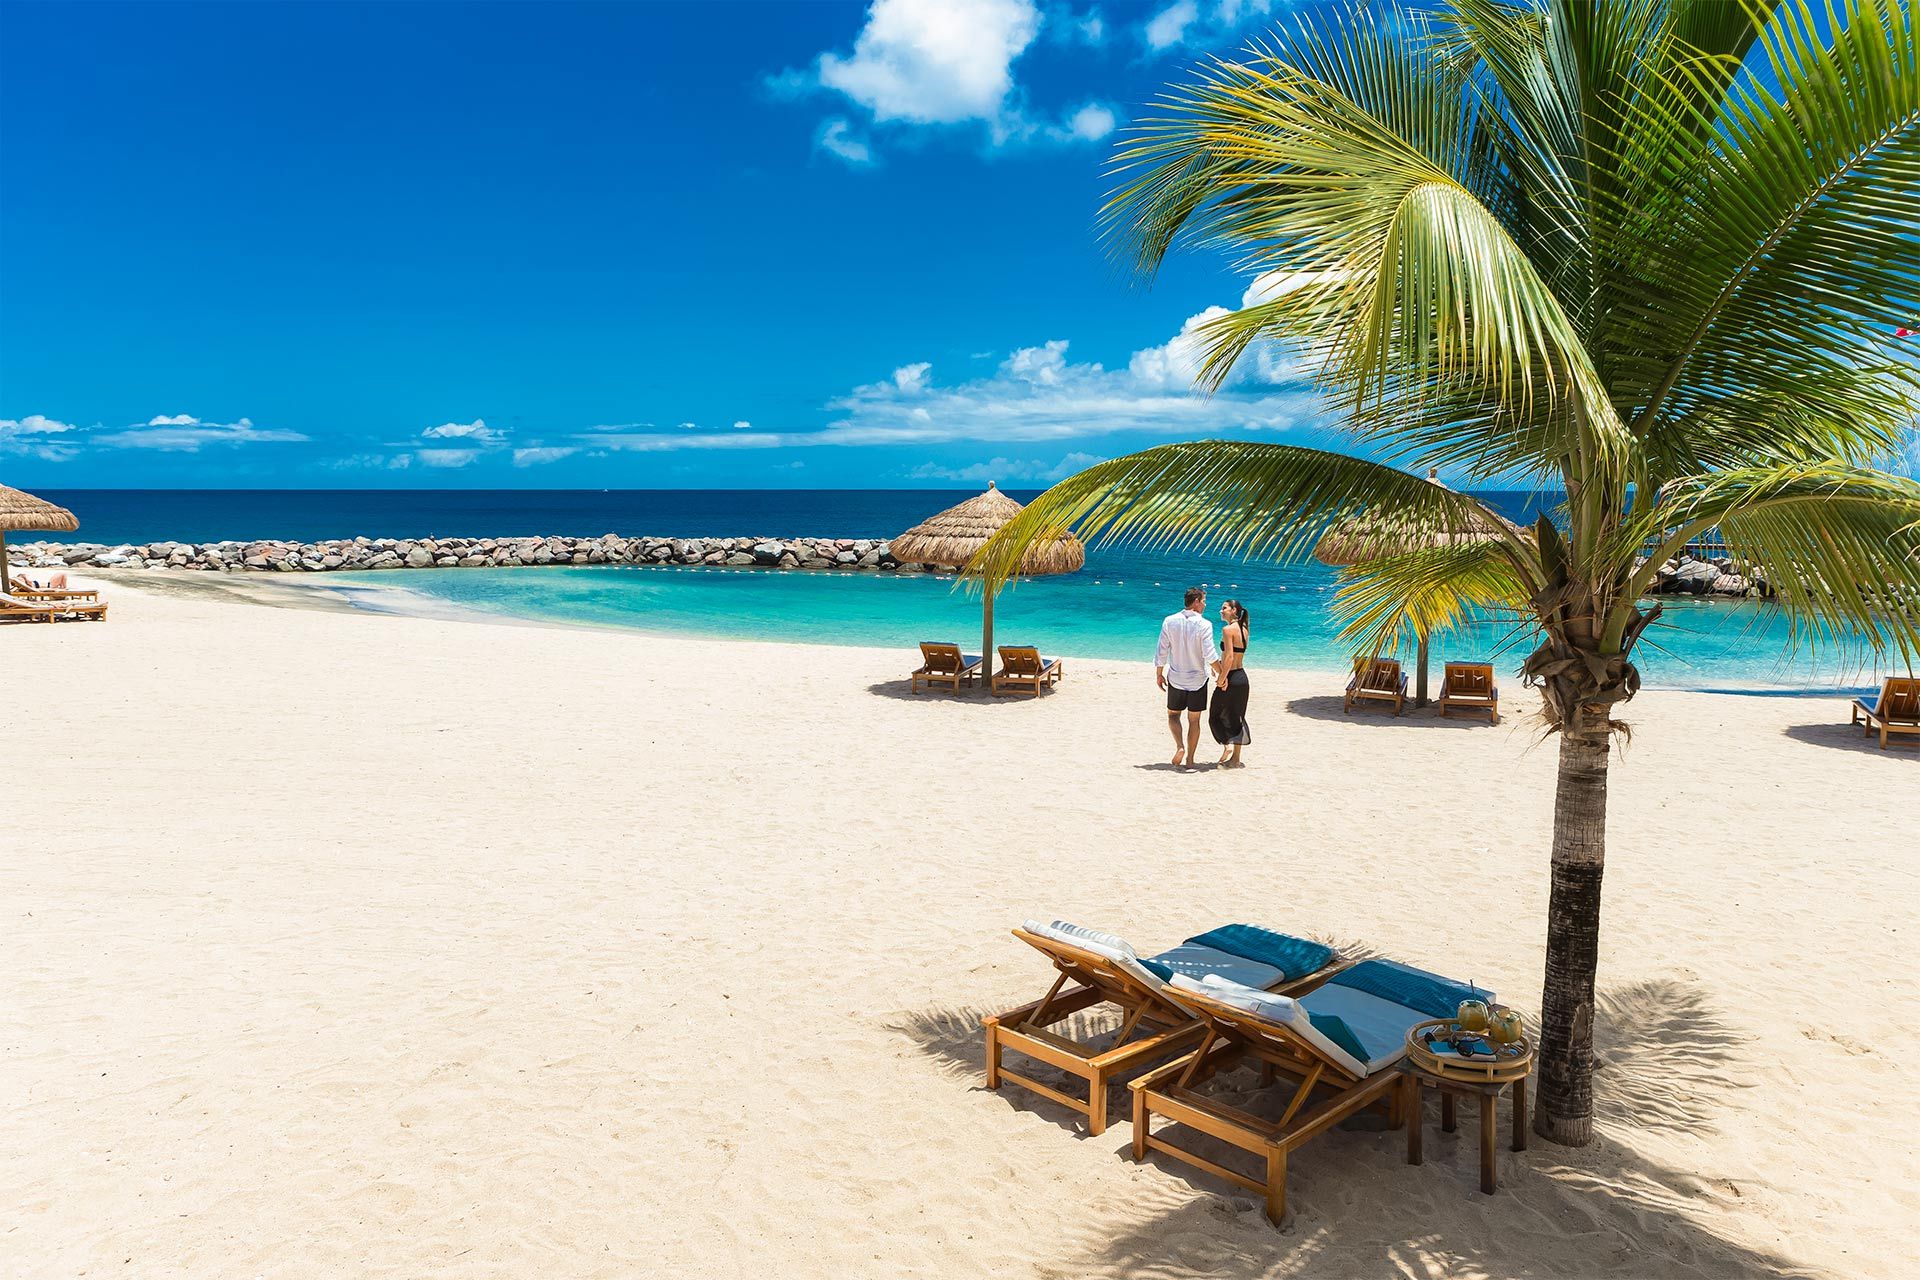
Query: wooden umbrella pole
(986, 644)
(1420, 690)
(6, 574)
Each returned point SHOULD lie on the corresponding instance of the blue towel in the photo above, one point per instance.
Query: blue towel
(1409, 988)
(1336, 1029)
(1158, 970)
(1294, 957)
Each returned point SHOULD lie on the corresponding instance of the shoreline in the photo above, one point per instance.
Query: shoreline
(327, 592)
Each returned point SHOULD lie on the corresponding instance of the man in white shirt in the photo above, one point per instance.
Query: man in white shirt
(1184, 665)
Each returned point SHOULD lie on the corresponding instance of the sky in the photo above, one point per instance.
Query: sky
(601, 245)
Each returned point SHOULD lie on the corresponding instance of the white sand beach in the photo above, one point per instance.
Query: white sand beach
(343, 945)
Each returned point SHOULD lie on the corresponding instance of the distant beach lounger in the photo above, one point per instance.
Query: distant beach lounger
(1469, 686)
(1376, 680)
(945, 664)
(1894, 711)
(1154, 1022)
(33, 592)
(15, 607)
(1344, 1039)
(1022, 668)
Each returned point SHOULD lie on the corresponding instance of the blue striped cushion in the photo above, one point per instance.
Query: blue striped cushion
(1408, 987)
(1295, 957)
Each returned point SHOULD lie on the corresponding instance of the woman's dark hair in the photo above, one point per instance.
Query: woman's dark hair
(1240, 616)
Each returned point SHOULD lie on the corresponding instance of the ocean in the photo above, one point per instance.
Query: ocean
(1111, 609)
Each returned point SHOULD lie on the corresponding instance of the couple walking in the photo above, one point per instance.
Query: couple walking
(1187, 663)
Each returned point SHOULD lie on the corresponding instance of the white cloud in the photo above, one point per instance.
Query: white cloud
(33, 435)
(538, 454)
(184, 433)
(1169, 27)
(1092, 122)
(1203, 22)
(837, 139)
(944, 63)
(1008, 469)
(1042, 366)
(477, 431)
(743, 425)
(934, 61)
(34, 424)
(446, 458)
(1036, 394)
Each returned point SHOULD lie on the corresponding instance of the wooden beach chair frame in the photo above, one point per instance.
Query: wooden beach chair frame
(1229, 1035)
(27, 591)
(1163, 1025)
(1376, 680)
(20, 608)
(1469, 686)
(1895, 710)
(1022, 668)
(942, 663)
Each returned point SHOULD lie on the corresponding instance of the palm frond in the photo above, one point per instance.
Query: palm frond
(1426, 592)
(1237, 498)
(1343, 162)
(1839, 545)
(1795, 233)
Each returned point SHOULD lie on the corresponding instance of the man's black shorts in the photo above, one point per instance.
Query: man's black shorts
(1187, 699)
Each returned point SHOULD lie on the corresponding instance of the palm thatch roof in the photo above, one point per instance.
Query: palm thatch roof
(20, 510)
(952, 537)
(1367, 536)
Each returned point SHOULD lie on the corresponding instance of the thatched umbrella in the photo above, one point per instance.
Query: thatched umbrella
(952, 537)
(24, 511)
(1368, 537)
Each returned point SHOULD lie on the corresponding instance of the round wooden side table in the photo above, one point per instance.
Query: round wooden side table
(1452, 1076)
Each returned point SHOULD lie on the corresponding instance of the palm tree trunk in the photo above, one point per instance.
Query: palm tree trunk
(1565, 1110)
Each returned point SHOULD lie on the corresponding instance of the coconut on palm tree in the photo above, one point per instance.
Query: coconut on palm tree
(1648, 252)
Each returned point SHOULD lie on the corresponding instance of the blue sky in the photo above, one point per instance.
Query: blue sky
(605, 245)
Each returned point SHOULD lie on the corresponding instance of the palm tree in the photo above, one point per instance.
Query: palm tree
(1648, 251)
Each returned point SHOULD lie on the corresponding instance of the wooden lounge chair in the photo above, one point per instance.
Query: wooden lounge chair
(1339, 1048)
(14, 607)
(1154, 1024)
(1023, 668)
(1469, 686)
(1376, 680)
(1894, 711)
(945, 664)
(28, 591)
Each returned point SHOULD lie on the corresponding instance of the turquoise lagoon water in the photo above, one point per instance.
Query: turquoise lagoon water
(1097, 613)
(1111, 609)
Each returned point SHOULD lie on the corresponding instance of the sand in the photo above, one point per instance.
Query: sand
(363, 946)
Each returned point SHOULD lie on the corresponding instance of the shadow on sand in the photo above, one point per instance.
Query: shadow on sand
(1332, 707)
(1359, 1210)
(1842, 736)
(902, 690)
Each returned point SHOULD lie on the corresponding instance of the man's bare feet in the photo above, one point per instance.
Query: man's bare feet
(1179, 757)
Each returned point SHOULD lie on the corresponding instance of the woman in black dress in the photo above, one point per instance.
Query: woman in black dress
(1227, 716)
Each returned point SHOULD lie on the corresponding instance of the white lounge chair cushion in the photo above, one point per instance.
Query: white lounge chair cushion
(1091, 939)
(1107, 945)
(1196, 961)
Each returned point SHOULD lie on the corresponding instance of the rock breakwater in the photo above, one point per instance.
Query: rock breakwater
(351, 554)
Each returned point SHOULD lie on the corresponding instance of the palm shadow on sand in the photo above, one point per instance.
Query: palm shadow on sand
(1333, 707)
(1668, 1063)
